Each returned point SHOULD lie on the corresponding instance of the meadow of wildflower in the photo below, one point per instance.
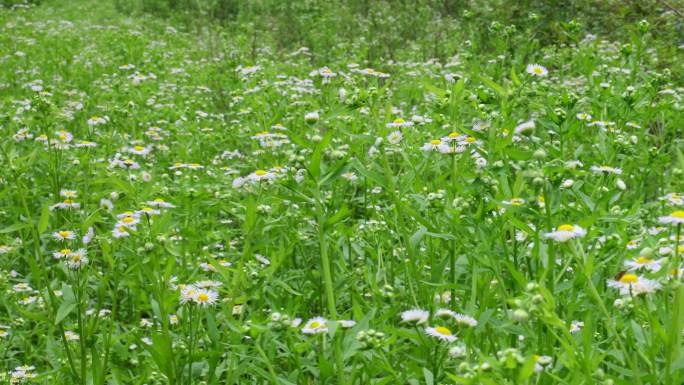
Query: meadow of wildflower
(341, 192)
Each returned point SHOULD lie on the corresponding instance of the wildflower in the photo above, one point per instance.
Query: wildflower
(399, 122)
(465, 320)
(643, 262)
(66, 204)
(121, 231)
(64, 235)
(98, 121)
(61, 253)
(440, 332)
(632, 284)
(69, 194)
(395, 137)
(139, 150)
(77, 259)
(514, 202)
(541, 362)
(315, 325)
(261, 175)
(537, 70)
(674, 199)
(158, 202)
(606, 169)
(566, 232)
(677, 217)
(576, 326)
(128, 220)
(311, 117)
(350, 176)
(583, 116)
(433, 145)
(71, 336)
(205, 297)
(417, 316)
(263, 260)
(525, 128)
(346, 324)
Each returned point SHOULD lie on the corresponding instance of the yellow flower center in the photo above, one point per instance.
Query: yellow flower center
(315, 325)
(399, 120)
(65, 251)
(127, 220)
(470, 139)
(435, 142)
(537, 70)
(138, 148)
(443, 331)
(517, 201)
(203, 297)
(64, 234)
(678, 214)
(629, 278)
(454, 135)
(642, 260)
(566, 227)
(260, 172)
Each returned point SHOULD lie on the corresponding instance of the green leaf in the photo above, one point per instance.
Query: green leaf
(315, 163)
(64, 310)
(494, 86)
(429, 377)
(12, 228)
(44, 219)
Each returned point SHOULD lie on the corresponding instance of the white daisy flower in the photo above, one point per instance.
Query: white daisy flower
(398, 123)
(644, 263)
(632, 284)
(350, 176)
(566, 232)
(676, 218)
(576, 327)
(417, 316)
(346, 324)
(64, 235)
(537, 70)
(440, 332)
(433, 145)
(315, 325)
(395, 137)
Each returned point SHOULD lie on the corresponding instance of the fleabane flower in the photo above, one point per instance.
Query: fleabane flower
(417, 316)
(537, 70)
(433, 145)
(632, 284)
(676, 218)
(440, 332)
(643, 262)
(399, 122)
(315, 325)
(64, 235)
(566, 232)
(395, 137)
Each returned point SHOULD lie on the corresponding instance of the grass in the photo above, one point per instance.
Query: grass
(190, 203)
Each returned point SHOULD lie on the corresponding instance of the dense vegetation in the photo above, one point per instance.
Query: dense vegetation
(341, 192)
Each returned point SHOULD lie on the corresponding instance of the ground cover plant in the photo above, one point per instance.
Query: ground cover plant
(196, 194)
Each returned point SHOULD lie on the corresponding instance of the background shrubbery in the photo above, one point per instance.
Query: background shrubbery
(382, 29)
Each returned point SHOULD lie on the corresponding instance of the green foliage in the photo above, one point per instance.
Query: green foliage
(190, 196)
